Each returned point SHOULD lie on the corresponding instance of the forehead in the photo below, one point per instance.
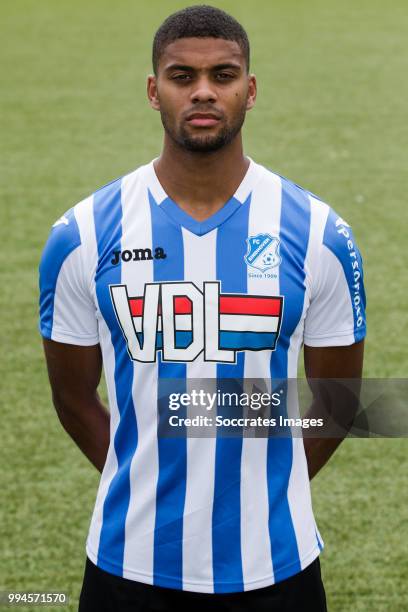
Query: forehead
(201, 53)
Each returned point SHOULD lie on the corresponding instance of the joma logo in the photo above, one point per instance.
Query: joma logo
(137, 255)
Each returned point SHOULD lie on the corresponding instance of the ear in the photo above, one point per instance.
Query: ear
(152, 92)
(252, 89)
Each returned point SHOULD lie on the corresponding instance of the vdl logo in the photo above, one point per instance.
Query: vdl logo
(183, 321)
(263, 252)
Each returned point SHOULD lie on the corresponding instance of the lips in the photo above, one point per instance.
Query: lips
(203, 119)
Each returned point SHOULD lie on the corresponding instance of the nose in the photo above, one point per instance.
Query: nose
(203, 91)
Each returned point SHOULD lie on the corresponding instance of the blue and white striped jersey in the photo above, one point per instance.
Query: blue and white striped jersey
(168, 297)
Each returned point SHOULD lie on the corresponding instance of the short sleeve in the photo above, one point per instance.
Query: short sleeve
(336, 314)
(67, 310)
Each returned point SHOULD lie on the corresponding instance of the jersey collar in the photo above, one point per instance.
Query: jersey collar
(179, 216)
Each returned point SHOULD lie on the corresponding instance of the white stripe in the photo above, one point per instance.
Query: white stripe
(85, 219)
(153, 182)
(250, 180)
(299, 496)
(111, 464)
(330, 319)
(86, 224)
(199, 266)
(251, 323)
(264, 216)
(74, 311)
(140, 519)
(318, 216)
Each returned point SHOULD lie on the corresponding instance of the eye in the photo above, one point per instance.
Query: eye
(181, 77)
(224, 76)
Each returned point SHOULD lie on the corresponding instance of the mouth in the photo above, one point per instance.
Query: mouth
(203, 119)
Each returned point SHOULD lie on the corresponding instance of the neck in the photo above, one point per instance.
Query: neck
(201, 183)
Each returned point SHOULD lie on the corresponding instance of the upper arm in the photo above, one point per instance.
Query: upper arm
(334, 361)
(334, 376)
(68, 321)
(74, 371)
(67, 306)
(335, 324)
(336, 312)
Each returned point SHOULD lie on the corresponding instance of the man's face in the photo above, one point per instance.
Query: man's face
(202, 90)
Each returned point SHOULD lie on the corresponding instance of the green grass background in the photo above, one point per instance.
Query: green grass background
(331, 115)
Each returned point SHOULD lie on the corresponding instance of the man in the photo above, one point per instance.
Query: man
(201, 264)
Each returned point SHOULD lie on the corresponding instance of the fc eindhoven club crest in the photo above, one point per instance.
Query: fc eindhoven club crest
(263, 252)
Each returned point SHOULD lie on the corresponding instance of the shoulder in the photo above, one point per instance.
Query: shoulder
(302, 212)
(292, 194)
(64, 237)
(327, 226)
(109, 196)
(76, 225)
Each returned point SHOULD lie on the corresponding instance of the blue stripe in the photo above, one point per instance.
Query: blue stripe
(63, 239)
(183, 339)
(294, 236)
(228, 340)
(247, 340)
(171, 485)
(226, 520)
(108, 228)
(340, 241)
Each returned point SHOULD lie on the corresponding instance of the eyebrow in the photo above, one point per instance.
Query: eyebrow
(186, 68)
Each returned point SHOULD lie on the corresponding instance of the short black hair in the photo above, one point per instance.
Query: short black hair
(200, 20)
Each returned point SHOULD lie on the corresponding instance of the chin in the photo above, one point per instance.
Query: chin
(203, 145)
